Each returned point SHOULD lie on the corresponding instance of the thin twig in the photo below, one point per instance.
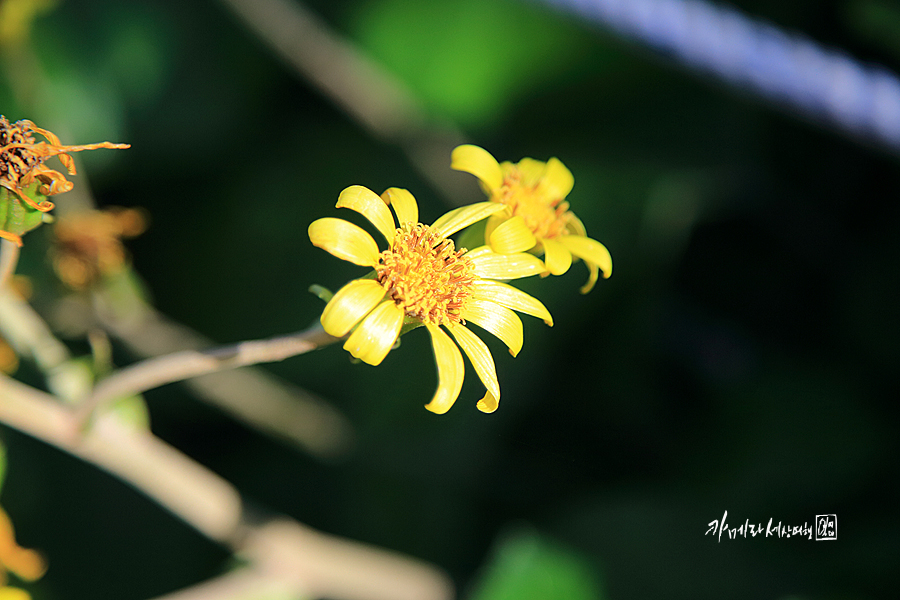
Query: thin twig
(29, 335)
(279, 408)
(376, 99)
(154, 372)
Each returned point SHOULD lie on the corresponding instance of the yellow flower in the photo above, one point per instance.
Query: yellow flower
(421, 279)
(537, 217)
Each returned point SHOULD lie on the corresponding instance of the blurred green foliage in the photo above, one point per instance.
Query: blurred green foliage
(481, 59)
(741, 357)
(877, 22)
(525, 566)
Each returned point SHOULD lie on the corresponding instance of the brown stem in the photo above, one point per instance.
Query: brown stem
(154, 372)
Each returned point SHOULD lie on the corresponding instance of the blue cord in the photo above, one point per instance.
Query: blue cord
(789, 69)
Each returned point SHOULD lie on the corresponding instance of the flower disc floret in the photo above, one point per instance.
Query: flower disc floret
(425, 276)
(546, 217)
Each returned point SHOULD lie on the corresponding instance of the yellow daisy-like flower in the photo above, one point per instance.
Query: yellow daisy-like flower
(422, 279)
(537, 216)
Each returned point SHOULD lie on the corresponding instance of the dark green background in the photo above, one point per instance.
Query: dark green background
(739, 359)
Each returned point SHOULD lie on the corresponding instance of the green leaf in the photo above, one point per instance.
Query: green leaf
(527, 566)
(16, 216)
(321, 292)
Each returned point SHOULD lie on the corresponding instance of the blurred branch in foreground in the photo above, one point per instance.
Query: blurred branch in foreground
(373, 97)
(286, 555)
(27, 332)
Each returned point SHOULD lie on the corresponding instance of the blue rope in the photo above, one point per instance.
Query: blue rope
(789, 69)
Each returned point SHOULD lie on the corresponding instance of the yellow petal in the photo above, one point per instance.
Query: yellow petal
(488, 404)
(575, 226)
(498, 320)
(371, 206)
(511, 236)
(344, 240)
(491, 224)
(375, 336)
(479, 356)
(589, 250)
(557, 258)
(464, 216)
(510, 297)
(451, 370)
(405, 205)
(352, 302)
(557, 181)
(492, 265)
(531, 171)
(592, 278)
(479, 251)
(11, 593)
(479, 163)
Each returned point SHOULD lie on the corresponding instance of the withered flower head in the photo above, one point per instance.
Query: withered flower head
(22, 164)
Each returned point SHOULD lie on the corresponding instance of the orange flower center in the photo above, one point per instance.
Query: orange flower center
(546, 217)
(17, 161)
(426, 276)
